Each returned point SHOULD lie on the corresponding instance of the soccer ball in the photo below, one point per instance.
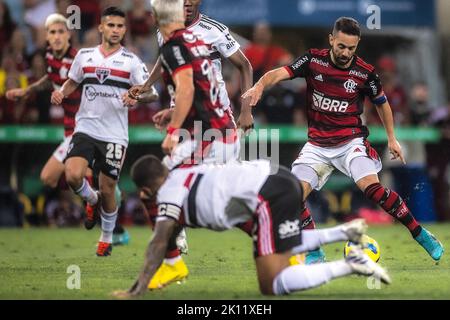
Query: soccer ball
(371, 248)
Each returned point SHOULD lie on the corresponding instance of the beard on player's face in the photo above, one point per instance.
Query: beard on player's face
(340, 58)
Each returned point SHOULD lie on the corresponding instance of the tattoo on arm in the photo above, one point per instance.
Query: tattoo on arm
(149, 96)
(42, 84)
(154, 255)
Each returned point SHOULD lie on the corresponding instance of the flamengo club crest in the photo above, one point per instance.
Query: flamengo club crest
(350, 86)
(102, 74)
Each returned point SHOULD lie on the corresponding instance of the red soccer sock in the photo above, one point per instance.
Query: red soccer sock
(306, 218)
(246, 227)
(172, 254)
(393, 204)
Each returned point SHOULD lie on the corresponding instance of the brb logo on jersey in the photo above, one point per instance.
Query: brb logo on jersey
(102, 74)
(323, 103)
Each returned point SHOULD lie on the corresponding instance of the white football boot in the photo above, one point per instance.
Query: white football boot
(181, 242)
(355, 229)
(363, 265)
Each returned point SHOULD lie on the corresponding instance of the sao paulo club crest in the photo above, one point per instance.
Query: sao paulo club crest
(102, 74)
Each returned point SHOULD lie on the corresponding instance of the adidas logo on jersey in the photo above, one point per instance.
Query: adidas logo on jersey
(319, 77)
(357, 150)
(114, 172)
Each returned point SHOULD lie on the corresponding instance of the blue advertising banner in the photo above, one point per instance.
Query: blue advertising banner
(418, 13)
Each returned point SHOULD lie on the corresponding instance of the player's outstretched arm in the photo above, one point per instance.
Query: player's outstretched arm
(268, 79)
(67, 88)
(240, 61)
(385, 114)
(19, 93)
(141, 90)
(154, 256)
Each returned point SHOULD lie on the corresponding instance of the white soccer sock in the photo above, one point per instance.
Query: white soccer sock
(172, 261)
(302, 277)
(87, 193)
(108, 225)
(314, 239)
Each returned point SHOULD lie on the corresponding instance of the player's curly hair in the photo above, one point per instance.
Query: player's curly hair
(146, 170)
(348, 26)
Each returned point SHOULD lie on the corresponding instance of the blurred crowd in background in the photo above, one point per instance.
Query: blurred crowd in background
(22, 47)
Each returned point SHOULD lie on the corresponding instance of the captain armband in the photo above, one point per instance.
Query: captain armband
(169, 210)
(380, 100)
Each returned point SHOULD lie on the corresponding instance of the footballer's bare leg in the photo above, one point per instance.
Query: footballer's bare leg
(267, 269)
(108, 213)
(52, 171)
(75, 171)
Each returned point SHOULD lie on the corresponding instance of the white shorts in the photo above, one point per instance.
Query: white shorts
(61, 152)
(324, 160)
(217, 152)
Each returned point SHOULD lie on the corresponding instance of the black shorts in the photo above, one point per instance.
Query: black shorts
(105, 157)
(277, 225)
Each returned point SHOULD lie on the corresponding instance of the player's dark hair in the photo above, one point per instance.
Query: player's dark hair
(146, 170)
(113, 11)
(348, 26)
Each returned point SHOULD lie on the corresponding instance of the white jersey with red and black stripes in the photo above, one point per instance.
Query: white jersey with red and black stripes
(216, 197)
(104, 79)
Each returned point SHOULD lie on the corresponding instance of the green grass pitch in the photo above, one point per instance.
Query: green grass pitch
(33, 265)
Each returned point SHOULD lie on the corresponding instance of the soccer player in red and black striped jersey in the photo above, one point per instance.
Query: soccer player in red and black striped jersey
(191, 79)
(337, 83)
(193, 84)
(59, 57)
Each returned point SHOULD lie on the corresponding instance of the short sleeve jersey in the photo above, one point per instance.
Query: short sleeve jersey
(104, 79)
(184, 50)
(221, 44)
(335, 96)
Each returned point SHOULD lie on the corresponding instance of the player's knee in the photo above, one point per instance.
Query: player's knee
(74, 176)
(107, 189)
(266, 287)
(48, 180)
